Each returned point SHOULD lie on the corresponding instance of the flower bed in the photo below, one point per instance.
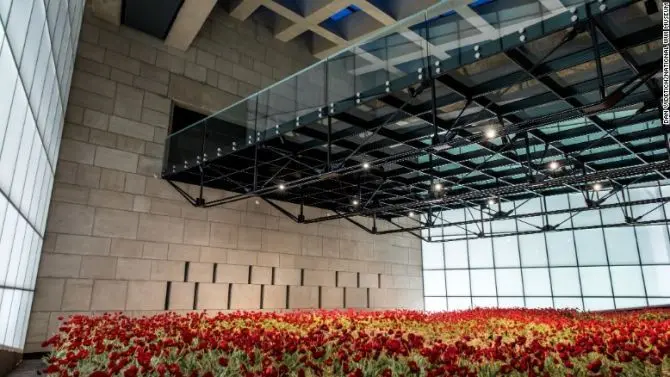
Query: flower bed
(479, 342)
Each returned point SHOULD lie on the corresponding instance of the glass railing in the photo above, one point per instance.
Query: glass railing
(443, 37)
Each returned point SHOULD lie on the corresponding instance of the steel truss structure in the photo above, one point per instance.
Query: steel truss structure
(565, 103)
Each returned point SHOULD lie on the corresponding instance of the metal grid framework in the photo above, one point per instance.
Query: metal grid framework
(567, 104)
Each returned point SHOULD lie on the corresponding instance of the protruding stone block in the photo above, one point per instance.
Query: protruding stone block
(347, 279)
(274, 297)
(231, 273)
(200, 272)
(368, 280)
(356, 297)
(287, 276)
(167, 270)
(332, 298)
(303, 297)
(181, 296)
(261, 275)
(245, 296)
(212, 296)
(319, 278)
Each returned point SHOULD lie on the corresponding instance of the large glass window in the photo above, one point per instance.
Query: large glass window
(34, 40)
(587, 263)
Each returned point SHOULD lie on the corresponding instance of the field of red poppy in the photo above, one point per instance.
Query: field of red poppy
(480, 342)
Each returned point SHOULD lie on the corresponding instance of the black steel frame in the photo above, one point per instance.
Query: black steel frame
(396, 184)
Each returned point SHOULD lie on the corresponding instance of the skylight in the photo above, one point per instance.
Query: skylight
(345, 12)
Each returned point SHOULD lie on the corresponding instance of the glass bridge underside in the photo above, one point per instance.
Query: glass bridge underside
(462, 106)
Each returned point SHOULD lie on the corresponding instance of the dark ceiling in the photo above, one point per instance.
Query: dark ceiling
(154, 17)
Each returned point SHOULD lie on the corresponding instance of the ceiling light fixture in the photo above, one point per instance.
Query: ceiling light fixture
(492, 201)
(411, 213)
(553, 165)
(490, 133)
(597, 187)
(438, 187)
(282, 187)
(354, 202)
(366, 165)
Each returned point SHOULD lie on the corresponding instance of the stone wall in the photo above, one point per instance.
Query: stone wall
(120, 240)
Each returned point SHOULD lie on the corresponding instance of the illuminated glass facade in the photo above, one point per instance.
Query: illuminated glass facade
(38, 41)
(583, 264)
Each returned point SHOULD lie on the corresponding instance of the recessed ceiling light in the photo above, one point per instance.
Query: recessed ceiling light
(597, 187)
(411, 213)
(438, 187)
(257, 202)
(366, 165)
(282, 187)
(492, 201)
(354, 202)
(553, 165)
(490, 133)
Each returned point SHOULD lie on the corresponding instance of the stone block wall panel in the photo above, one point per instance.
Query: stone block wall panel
(117, 238)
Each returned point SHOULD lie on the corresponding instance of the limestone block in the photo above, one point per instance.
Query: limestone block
(409, 298)
(312, 245)
(165, 207)
(319, 278)
(110, 199)
(242, 257)
(261, 275)
(88, 176)
(381, 298)
(281, 242)
(287, 276)
(196, 232)
(231, 273)
(146, 295)
(386, 281)
(183, 252)
(71, 219)
(152, 250)
(223, 235)
(97, 267)
(212, 296)
(415, 282)
(112, 180)
(331, 248)
(250, 238)
(95, 119)
(117, 224)
(213, 255)
(126, 248)
(160, 229)
(200, 272)
(356, 250)
(167, 270)
(70, 194)
(303, 297)
(109, 295)
(135, 184)
(245, 296)
(347, 279)
(181, 296)
(223, 215)
(268, 259)
(253, 220)
(133, 269)
(48, 294)
(156, 102)
(77, 294)
(60, 265)
(128, 105)
(274, 297)
(37, 327)
(356, 297)
(77, 151)
(332, 298)
(115, 159)
(368, 280)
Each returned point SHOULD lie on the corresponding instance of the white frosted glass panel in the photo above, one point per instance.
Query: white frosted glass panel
(539, 302)
(587, 218)
(504, 226)
(510, 302)
(458, 283)
(6, 241)
(627, 281)
(592, 303)
(435, 233)
(435, 304)
(22, 161)
(647, 211)
(481, 253)
(595, 281)
(432, 255)
(17, 253)
(10, 147)
(621, 246)
(659, 301)
(31, 50)
(456, 254)
(653, 244)
(590, 247)
(7, 83)
(6, 296)
(561, 249)
(622, 303)
(568, 303)
(565, 281)
(433, 283)
(506, 251)
(458, 303)
(483, 282)
(484, 302)
(536, 281)
(612, 216)
(657, 279)
(533, 250)
(17, 25)
(508, 281)
(558, 202)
